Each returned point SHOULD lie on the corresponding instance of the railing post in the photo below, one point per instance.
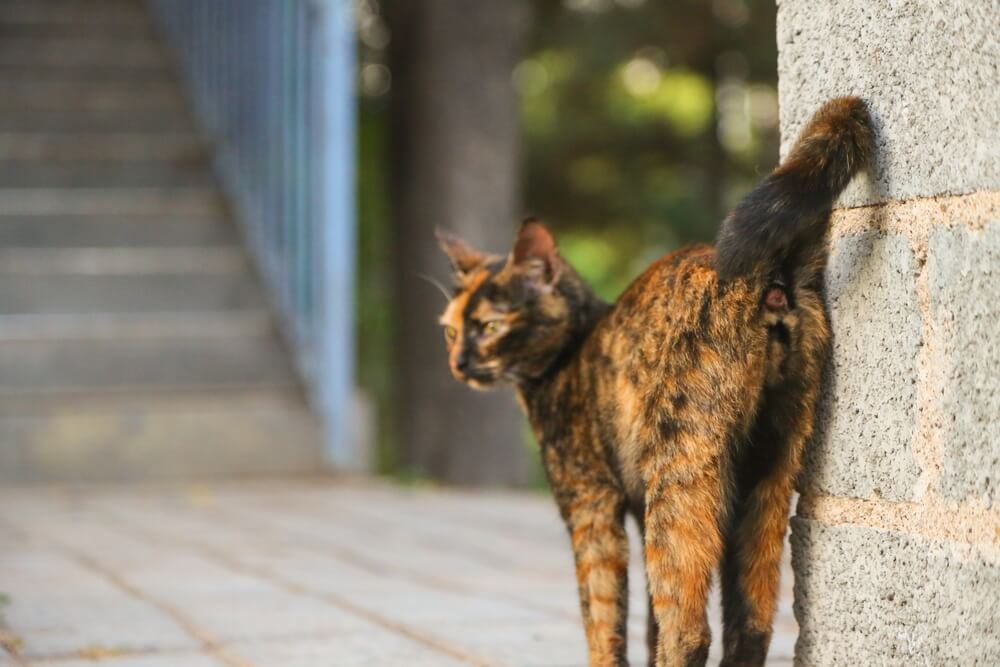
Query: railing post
(334, 226)
(298, 206)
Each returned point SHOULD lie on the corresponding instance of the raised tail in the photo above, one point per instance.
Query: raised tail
(785, 217)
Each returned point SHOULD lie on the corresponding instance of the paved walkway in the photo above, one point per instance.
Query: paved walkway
(294, 574)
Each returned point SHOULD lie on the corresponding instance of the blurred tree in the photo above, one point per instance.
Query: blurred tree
(454, 153)
(641, 123)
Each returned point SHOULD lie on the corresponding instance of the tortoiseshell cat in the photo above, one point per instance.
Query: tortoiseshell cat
(686, 403)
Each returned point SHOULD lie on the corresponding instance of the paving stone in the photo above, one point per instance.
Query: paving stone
(524, 644)
(427, 608)
(265, 569)
(225, 604)
(374, 649)
(59, 607)
(526, 551)
(163, 660)
(228, 607)
(442, 573)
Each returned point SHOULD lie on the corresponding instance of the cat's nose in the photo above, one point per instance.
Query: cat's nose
(462, 362)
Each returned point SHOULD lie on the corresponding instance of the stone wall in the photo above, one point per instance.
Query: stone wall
(896, 542)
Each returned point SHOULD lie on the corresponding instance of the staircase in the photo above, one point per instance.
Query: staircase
(135, 342)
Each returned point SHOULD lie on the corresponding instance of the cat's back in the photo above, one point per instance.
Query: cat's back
(678, 313)
(682, 288)
(685, 268)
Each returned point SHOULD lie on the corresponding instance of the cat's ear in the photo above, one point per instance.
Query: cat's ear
(535, 255)
(463, 257)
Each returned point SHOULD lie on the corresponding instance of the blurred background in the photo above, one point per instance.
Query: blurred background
(217, 218)
(630, 126)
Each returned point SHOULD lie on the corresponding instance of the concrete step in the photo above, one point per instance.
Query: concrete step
(173, 202)
(126, 13)
(62, 294)
(151, 325)
(162, 399)
(136, 364)
(58, 29)
(57, 147)
(136, 97)
(114, 232)
(92, 74)
(122, 261)
(97, 437)
(78, 52)
(95, 121)
(95, 174)
(135, 343)
(19, 21)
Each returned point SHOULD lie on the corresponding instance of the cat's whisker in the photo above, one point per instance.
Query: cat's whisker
(436, 283)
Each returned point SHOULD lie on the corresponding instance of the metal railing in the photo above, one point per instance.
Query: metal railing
(272, 83)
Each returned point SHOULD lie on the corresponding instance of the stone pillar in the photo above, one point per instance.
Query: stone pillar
(896, 542)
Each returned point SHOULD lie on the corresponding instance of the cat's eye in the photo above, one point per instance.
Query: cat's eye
(450, 333)
(492, 327)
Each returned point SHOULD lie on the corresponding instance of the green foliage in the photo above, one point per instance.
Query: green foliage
(375, 316)
(643, 123)
(536, 473)
(600, 258)
(643, 95)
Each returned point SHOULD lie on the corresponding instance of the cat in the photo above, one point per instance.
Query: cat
(686, 403)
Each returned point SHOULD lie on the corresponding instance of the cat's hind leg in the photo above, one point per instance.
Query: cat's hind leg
(652, 629)
(683, 546)
(764, 476)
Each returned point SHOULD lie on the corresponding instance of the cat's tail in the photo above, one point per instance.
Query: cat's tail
(785, 217)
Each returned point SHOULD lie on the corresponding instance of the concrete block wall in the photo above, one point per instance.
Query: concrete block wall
(896, 538)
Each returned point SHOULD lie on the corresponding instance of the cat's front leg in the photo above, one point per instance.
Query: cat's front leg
(596, 521)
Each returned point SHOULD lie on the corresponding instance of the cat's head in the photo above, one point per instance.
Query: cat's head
(509, 317)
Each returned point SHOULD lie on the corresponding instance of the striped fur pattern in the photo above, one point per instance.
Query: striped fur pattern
(687, 403)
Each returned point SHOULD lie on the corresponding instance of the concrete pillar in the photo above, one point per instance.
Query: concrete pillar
(896, 542)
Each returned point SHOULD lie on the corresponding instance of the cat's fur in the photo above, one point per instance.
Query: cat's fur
(686, 403)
